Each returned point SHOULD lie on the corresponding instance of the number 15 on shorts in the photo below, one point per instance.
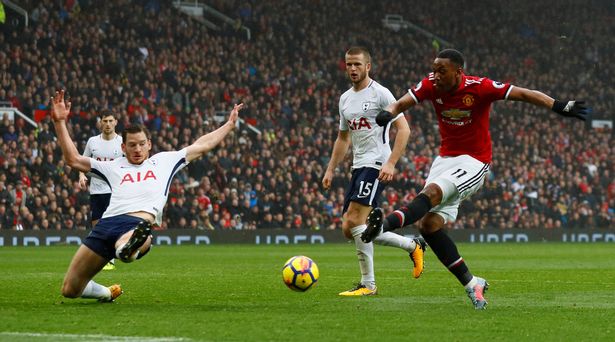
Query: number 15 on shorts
(365, 189)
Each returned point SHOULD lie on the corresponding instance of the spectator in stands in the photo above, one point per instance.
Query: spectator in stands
(113, 75)
(18, 195)
(6, 219)
(10, 134)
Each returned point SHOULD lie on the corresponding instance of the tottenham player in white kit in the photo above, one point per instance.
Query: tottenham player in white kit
(139, 189)
(104, 147)
(373, 164)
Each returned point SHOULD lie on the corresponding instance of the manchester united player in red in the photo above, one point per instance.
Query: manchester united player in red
(462, 104)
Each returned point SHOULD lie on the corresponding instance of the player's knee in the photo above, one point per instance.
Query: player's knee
(354, 217)
(351, 220)
(70, 291)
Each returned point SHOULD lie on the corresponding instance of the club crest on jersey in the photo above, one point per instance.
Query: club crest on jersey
(359, 123)
(138, 177)
(468, 100)
(456, 114)
(365, 106)
(116, 152)
(439, 101)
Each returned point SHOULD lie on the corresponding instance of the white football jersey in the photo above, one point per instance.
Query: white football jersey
(142, 187)
(102, 150)
(358, 111)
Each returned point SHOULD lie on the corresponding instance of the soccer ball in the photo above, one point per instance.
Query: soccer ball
(300, 273)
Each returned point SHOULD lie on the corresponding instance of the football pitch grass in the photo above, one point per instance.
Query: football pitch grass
(235, 293)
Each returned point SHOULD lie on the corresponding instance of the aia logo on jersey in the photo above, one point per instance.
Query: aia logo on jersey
(468, 100)
(359, 123)
(138, 177)
(104, 159)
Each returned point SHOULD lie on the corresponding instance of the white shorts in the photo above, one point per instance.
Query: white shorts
(458, 177)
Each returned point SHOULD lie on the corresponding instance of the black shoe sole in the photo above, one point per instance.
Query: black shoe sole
(374, 225)
(138, 238)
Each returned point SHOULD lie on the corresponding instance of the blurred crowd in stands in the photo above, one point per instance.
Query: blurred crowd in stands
(151, 64)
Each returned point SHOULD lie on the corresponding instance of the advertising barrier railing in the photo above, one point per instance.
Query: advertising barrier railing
(290, 237)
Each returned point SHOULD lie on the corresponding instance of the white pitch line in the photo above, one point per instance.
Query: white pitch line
(91, 337)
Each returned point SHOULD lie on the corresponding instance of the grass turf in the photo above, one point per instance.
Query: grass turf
(235, 293)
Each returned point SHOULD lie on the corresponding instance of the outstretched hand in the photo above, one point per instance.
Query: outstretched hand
(59, 108)
(232, 118)
(575, 109)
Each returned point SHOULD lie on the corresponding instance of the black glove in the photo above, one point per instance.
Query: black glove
(383, 118)
(573, 109)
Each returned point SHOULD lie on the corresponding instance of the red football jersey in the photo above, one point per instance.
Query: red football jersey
(463, 115)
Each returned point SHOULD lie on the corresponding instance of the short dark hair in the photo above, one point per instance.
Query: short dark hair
(106, 112)
(357, 50)
(135, 128)
(454, 55)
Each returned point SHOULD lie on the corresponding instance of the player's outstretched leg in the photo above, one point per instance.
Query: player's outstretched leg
(138, 238)
(374, 225)
(418, 257)
(401, 217)
(476, 293)
(415, 247)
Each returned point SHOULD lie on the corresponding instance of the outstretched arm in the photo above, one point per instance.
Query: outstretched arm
(59, 113)
(400, 105)
(208, 141)
(531, 96)
(573, 108)
(392, 110)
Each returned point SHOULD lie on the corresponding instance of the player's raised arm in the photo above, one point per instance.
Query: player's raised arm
(210, 140)
(572, 108)
(59, 113)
